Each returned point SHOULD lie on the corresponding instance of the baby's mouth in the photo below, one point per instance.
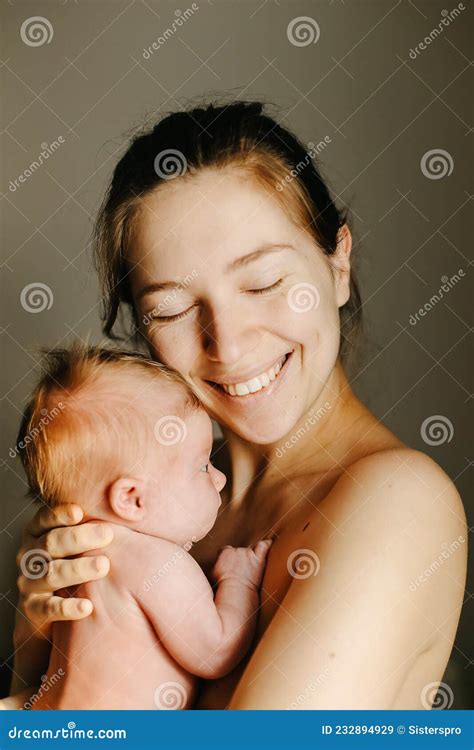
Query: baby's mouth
(256, 383)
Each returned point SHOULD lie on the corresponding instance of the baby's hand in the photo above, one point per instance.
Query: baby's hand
(246, 564)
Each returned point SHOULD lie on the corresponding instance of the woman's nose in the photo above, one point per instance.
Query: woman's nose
(228, 336)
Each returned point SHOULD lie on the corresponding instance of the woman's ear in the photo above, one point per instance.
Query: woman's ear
(127, 497)
(341, 265)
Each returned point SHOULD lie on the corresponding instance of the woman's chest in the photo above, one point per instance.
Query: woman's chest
(291, 554)
(260, 518)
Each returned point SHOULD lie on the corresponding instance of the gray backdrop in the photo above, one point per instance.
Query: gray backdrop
(386, 82)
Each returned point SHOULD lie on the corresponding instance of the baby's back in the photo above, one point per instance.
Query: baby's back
(113, 659)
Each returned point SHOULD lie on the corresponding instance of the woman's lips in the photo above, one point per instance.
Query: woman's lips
(262, 392)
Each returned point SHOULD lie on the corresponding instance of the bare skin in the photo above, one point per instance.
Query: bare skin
(374, 512)
(159, 615)
(171, 628)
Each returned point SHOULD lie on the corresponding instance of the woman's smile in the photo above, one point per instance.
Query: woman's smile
(257, 387)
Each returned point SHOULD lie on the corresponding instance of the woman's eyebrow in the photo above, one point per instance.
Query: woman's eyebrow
(156, 287)
(244, 260)
(265, 249)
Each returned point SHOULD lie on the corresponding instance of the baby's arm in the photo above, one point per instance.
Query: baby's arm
(207, 636)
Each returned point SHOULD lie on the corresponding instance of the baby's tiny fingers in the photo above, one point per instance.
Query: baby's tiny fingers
(261, 548)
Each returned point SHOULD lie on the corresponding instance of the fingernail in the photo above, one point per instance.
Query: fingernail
(100, 564)
(84, 606)
(75, 514)
(100, 530)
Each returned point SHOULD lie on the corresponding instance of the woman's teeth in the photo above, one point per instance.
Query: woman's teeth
(256, 383)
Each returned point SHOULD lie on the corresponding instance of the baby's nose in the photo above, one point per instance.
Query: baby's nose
(219, 479)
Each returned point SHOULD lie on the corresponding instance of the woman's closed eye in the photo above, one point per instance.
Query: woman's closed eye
(170, 318)
(161, 318)
(266, 289)
(205, 468)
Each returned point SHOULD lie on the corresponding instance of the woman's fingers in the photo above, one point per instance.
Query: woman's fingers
(51, 518)
(37, 601)
(65, 542)
(60, 574)
(44, 608)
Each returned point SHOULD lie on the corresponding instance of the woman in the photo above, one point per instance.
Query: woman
(220, 236)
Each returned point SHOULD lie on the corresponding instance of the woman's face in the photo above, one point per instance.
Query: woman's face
(238, 299)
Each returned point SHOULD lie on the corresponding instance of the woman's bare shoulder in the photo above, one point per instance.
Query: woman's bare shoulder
(400, 497)
(398, 483)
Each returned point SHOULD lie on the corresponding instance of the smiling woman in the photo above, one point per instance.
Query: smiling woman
(246, 289)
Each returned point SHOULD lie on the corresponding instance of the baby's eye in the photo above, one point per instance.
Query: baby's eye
(205, 468)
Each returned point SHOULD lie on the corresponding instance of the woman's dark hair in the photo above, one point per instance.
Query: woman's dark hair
(237, 135)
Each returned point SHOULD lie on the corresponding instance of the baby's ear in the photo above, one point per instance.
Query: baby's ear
(127, 498)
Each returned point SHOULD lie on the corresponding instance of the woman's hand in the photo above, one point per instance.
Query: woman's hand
(51, 536)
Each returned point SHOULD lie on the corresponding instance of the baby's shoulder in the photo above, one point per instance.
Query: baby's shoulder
(137, 557)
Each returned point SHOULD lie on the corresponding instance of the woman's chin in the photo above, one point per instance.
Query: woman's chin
(262, 429)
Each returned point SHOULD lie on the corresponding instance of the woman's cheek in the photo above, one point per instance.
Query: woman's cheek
(295, 313)
(173, 346)
(310, 316)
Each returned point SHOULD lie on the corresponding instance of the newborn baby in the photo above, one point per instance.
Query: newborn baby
(127, 440)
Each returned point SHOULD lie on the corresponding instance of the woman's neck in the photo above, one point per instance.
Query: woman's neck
(314, 445)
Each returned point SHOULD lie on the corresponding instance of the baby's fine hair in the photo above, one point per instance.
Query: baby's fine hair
(69, 408)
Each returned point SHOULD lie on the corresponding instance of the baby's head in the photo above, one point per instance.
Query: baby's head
(123, 437)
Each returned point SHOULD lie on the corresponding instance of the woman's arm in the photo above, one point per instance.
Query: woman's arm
(346, 637)
(49, 537)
